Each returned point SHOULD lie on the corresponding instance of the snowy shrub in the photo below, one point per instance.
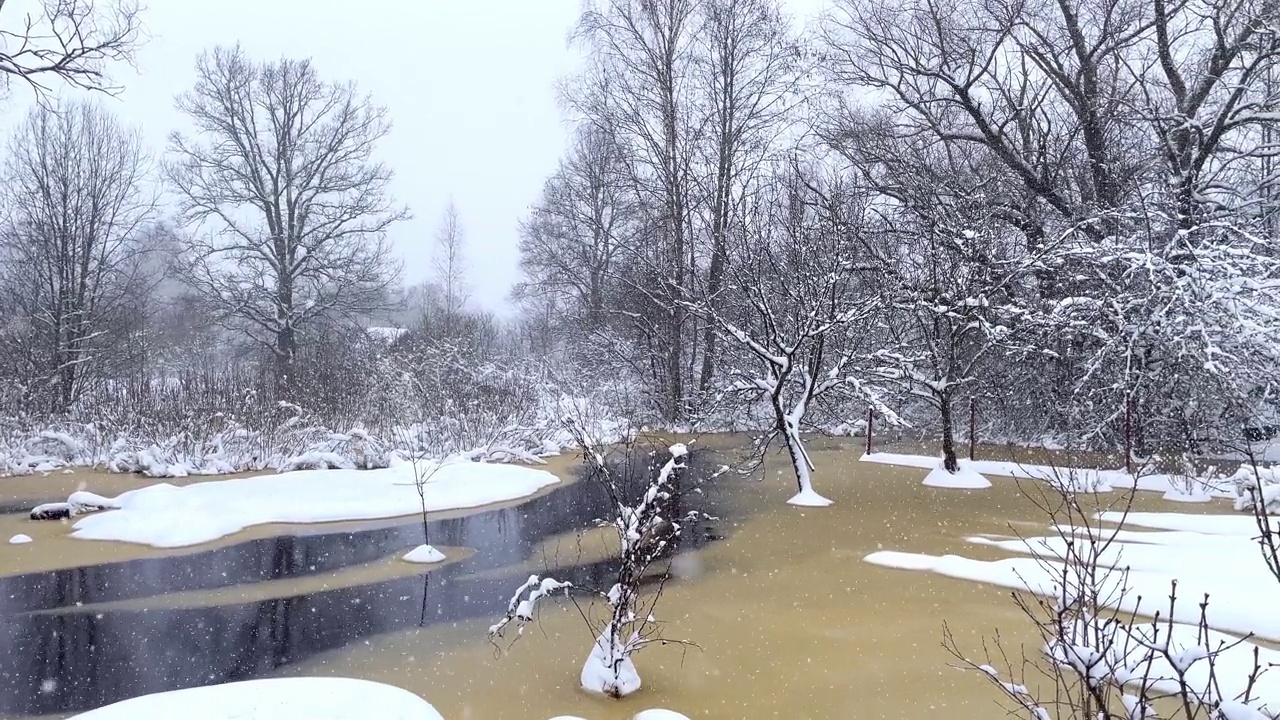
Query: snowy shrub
(1097, 663)
(353, 450)
(646, 532)
(1257, 488)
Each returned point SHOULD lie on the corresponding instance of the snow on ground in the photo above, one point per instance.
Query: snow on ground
(809, 498)
(275, 699)
(167, 516)
(1207, 554)
(1080, 479)
(19, 539)
(424, 554)
(656, 714)
(966, 478)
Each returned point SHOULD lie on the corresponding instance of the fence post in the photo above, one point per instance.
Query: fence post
(871, 418)
(1128, 435)
(973, 428)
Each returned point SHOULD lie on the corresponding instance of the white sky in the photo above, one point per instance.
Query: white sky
(469, 85)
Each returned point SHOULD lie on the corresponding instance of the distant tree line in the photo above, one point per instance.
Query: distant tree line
(1064, 211)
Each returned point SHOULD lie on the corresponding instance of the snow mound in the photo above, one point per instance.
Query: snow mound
(167, 516)
(966, 478)
(275, 699)
(809, 498)
(424, 554)
(609, 673)
(659, 714)
(19, 539)
(1182, 496)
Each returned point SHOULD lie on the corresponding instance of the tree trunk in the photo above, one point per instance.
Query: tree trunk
(949, 462)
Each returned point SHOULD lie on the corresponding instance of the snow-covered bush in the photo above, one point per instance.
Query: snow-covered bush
(646, 532)
(1257, 488)
(352, 450)
(1096, 663)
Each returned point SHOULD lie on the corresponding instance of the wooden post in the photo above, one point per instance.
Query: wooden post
(1128, 435)
(871, 418)
(973, 428)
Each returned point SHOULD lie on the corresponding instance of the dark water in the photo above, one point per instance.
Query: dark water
(60, 662)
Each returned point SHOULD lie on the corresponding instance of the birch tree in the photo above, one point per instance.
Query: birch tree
(288, 208)
(79, 208)
(69, 40)
(449, 263)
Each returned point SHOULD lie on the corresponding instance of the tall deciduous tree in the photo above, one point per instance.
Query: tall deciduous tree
(290, 209)
(643, 52)
(750, 70)
(78, 218)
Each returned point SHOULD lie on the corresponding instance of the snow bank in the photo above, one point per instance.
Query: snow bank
(1077, 479)
(966, 478)
(1207, 554)
(167, 516)
(424, 554)
(275, 699)
(19, 539)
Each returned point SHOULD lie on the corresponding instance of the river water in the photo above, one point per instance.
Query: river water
(787, 620)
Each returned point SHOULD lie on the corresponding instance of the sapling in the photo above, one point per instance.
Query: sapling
(646, 532)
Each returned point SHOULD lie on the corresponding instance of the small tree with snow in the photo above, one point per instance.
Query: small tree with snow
(646, 533)
(945, 318)
(797, 307)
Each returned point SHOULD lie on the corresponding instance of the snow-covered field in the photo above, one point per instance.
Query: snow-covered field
(163, 515)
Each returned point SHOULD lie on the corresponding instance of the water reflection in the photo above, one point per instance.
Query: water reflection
(53, 662)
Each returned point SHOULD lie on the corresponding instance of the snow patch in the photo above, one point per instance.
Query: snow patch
(809, 498)
(19, 539)
(302, 698)
(424, 554)
(167, 516)
(966, 478)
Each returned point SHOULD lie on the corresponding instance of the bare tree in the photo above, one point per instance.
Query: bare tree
(648, 531)
(79, 209)
(750, 72)
(574, 236)
(72, 40)
(643, 52)
(290, 209)
(449, 262)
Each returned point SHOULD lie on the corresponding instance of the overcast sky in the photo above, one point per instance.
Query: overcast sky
(469, 84)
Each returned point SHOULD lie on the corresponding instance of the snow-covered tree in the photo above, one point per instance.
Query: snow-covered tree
(797, 307)
(646, 533)
(288, 209)
(79, 221)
